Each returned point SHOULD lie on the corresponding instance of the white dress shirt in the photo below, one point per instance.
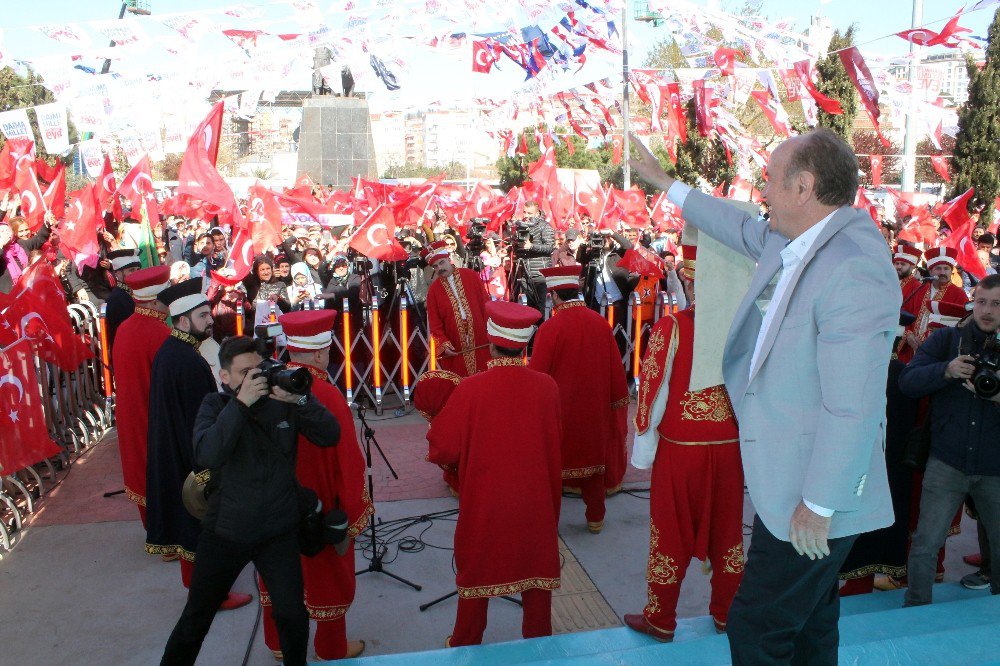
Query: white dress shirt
(791, 258)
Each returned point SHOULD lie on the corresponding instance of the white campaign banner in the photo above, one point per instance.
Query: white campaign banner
(53, 127)
(15, 123)
(92, 156)
(90, 114)
(152, 141)
(176, 133)
(131, 145)
(67, 33)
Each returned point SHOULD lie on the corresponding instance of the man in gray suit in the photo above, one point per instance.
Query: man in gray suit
(805, 365)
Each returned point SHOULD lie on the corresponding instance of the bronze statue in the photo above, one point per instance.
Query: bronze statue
(322, 57)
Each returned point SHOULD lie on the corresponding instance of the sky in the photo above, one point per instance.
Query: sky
(874, 32)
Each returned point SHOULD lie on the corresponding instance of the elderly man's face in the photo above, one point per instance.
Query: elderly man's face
(779, 194)
(941, 272)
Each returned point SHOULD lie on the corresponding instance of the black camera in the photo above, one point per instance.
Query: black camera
(293, 380)
(984, 378)
(595, 241)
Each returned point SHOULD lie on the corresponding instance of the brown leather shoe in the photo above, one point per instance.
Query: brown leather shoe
(354, 648)
(638, 622)
(235, 600)
(595, 528)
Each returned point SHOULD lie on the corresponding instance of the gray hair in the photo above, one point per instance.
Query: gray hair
(829, 158)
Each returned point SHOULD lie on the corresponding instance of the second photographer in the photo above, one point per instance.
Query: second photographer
(957, 367)
(246, 435)
(536, 241)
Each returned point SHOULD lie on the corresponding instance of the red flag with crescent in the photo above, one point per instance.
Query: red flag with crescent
(876, 164)
(25, 438)
(32, 198)
(106, 185)
(12, 151)
(198, 176)
(78, 232)
(241, 255)
(483, 57)
(376, 237)
(940, 164)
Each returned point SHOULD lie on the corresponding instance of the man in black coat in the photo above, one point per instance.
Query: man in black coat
(965, 435)
(247, 437)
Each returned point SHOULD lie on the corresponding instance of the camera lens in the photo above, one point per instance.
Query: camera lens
(986, 383)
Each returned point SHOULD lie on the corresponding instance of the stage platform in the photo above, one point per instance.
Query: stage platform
(960, 627)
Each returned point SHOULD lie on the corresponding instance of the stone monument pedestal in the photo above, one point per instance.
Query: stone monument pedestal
(335, 140)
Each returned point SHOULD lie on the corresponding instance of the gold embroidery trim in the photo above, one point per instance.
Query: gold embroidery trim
(505, 589)
(733, 561)
(720, 441)
(154, 549)
(711, 404)
(650, 371)
(149, 312)
(203, 476)
(622, 402)
(511, 361)
(362, 522)
(662, 569)
(185, 337)
(320, 613)
(134, 497)
(582, 472)
(442, 374)
(567, 305)
(885, 569)
(466, 334)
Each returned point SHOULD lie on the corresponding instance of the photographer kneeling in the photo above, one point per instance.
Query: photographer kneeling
(957, 367)
(246, 435)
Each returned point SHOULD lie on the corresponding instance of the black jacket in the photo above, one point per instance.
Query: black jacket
(251, 454)
(965, 429)
(624, 280)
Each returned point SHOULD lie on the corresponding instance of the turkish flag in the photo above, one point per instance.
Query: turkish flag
(38, 311)
(376, 237)
(961, 240)
(589, 200)
(918, 36)
(725, 60)
(876, 164)
(32, 198)
(956, 211)
(497, 285)
(241, 255)
(903, 202)
(483, 57)
(78, 232)
(665, 214)
(543, 171)
(630, 206)
(106, 185)
(303, 186)
(828, 104)
(676, 118)
(264, 217)
(864, 203)
(138, 183)
(775, 114)
(950, 29)
(920, 229)
(55, 194)
(12, 151)
(940, 164)
(479, 201)
(616, 149)
(198, 176)
(642, 261)
(25, 438)
(703, 103)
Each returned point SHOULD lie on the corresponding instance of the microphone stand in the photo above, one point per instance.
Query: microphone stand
(378, 550)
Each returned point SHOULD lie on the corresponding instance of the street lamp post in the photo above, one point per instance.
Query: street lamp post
(909, 136)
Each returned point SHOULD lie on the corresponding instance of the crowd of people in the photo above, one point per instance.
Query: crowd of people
(894, 376)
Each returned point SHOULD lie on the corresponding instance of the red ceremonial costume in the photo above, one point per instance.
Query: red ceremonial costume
(337, 475)
(138, 339)
(430, 395)
(576, 348)
(506, 540)
(696, 489)
(455, 314)
(927, 300)
(909, 285)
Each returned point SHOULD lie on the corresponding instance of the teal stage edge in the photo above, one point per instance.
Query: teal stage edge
(960, 627)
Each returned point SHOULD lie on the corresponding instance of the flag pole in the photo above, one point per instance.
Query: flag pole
(907, 177)
(626, 167)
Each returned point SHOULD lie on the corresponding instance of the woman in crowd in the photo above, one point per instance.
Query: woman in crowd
(17, 242)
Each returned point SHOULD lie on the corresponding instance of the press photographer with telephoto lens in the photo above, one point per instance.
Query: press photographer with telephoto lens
(246, 436)
(957, 368)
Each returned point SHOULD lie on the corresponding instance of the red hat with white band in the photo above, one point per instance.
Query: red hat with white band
(146, 284)
(510, 325)
(437, 251)
(938, 255)
(561, 277)
(308, 330)
(907, 253)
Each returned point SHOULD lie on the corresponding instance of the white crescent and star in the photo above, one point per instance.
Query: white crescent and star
(13, 380)
(29, 202)
(369, 234)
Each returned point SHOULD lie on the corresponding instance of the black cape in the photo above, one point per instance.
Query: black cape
(179, 381)
(120, 307)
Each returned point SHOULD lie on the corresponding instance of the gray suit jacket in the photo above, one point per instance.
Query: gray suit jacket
(812, 416)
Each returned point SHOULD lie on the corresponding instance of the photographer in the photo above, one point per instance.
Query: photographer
(246, 435)
(536, 242)
(603, 276)
(956, 368)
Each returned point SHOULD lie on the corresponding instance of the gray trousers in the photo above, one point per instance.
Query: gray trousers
(944, 490)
